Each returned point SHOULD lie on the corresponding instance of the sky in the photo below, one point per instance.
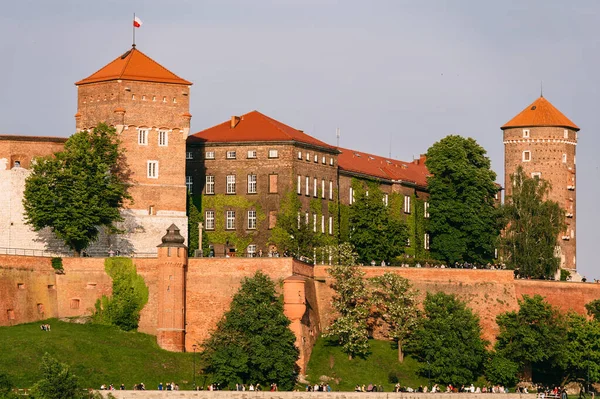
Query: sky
(395, 76)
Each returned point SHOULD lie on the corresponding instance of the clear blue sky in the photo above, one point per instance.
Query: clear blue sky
(413, 71)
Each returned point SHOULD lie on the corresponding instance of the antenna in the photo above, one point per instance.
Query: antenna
(541, 88)
(390, 154)
(337, 135)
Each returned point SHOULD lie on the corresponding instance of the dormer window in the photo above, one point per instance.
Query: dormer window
(525, 133)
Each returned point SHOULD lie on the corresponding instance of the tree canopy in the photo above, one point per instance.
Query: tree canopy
(593, 309)
(533, 224)
(581, 359)
(448, 341)
(463, 221)
(253, 342)
(57, 382)
(374, 232)
(79, 189)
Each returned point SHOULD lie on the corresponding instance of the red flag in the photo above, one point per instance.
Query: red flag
(137, 22)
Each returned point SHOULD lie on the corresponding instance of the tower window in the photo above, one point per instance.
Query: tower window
(564, 158)
(163, 138)
(566, 133)
(526, 133)
(164, 99)
(526, 156)
(153, 169)
(132, 97)
(143, 137)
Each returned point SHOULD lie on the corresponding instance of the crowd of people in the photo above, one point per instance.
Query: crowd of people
(45, 327)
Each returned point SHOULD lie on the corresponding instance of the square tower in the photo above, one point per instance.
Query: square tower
(149, 107)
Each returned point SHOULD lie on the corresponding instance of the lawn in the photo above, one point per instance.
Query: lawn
(96, 354)
(328, 360)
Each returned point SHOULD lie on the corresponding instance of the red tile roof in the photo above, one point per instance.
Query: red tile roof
(384, 168)
(540, 113)
(254, 126)
(134, 65)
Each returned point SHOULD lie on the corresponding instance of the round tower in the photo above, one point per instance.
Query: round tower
(172, 262)
(543, 141)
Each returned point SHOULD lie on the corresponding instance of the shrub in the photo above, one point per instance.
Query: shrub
(57, 264)
(564, 275)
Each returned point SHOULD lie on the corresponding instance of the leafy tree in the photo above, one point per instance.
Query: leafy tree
(194, 218)
(342, 254)
(593, 309)
(375, 234)
(351, 301)
(448, 341)
(533, 224)
(582, 352)
(253, 342)
(129, 296)
(533, 335)
(502, 371)
(79, 189)
(396, 304)
(6, 388)
(291, 232)
(463, 220)
(58, 382)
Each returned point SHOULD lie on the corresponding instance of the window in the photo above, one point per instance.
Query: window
(209, 155)
(316, 158)
(322, 188)
(308, 156)
(209, 220)
(174, 100)
(10, 313)
(299, 154)
(273, 184)
(143, 137)
(164, 99)
(251, 250)
(210, 185)
(188, 155)
(525, 133)
(526, 156)
(406, 204)
(330, 189)
(230, 220)
(189, 183)
(231, 154)
(298, 219)
(132, 97)
(408, 242)
(306, 218)
(564, 158)
(163, 138)
(426, 241)
(351, 196)
(315, 188)
(251, 184)
(385, 199)
(273, 154)
(153, 98)
(314, 222)
(74, 303)
(251, 154)
(536, 174)
(299, 185)
(307, 185)
(331, 161)
(251, 220)
(330, 224)
(566, 134)
(323, 224)
(230, 184)
(143, 98)
(152, 169)
(324, 160)
(426, 209)
(151, 210)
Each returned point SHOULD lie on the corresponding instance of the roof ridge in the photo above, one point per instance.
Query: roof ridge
(159, 64)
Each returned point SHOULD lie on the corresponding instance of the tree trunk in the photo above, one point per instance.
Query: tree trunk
(527, 372)
(400, 352)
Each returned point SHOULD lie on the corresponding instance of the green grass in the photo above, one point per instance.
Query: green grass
(328, 360)
(96, 354)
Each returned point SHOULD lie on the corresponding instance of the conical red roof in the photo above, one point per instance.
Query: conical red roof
(134, 65)
(540, 113)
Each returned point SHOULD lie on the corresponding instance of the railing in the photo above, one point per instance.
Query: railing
(33, 252)
(64, 254)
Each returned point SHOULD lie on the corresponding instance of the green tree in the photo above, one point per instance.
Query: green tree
(342, 254)
(581, 359)
(291, 232)
(374, 233)
(463, 220)
(79, 189)
(396, 304)
(6, 388)
(448, 341)
(57, 382)
(532, 336)
(533, 224)
(129, 296)
(194, 218)
(351, 301)
(253, 342)
(502, 371)
(593, 309)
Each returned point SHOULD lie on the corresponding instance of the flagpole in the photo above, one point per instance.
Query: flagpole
(133, 27)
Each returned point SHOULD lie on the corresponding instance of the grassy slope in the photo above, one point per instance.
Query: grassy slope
(96, 354)
(327, 360)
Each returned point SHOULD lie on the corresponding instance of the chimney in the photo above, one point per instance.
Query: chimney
(421, 160)
(234, 121)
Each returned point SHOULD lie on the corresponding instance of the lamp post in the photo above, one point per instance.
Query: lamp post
(194, 347)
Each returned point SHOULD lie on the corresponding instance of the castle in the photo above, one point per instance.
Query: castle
(242, 168)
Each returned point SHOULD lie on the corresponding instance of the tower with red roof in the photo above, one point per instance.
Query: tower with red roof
(149, 107)
(543, 141)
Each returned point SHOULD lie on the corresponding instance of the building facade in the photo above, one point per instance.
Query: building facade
(543, 141)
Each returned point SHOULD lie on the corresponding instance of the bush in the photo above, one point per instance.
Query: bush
(564, 275)
(393, 377)
(57, 264)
